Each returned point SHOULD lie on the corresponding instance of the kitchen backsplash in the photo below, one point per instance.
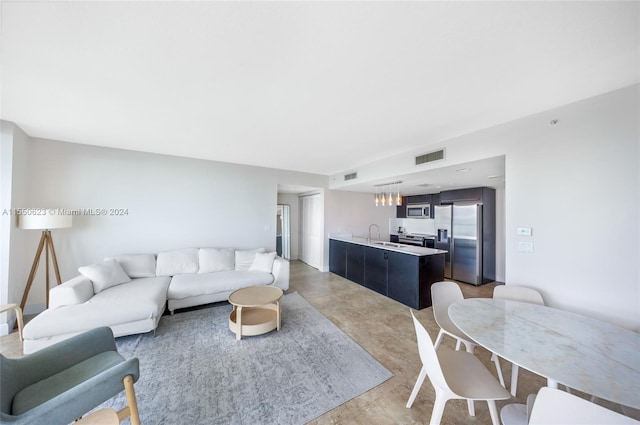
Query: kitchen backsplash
(412, 225)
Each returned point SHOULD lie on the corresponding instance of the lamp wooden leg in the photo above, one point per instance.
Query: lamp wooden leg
(32, 274)
(46, 244)
(47, 247)
(54, 258)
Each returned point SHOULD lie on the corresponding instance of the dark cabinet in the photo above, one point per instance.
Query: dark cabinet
(375, 270)
(347, 260)
(411, 277)
(403, 279)
(401, 210)
(434, 199)
(338, 257)
(355, 263)
(473, 194)
(419, 199)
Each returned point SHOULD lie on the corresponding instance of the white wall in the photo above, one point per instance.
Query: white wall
(172, 202)
(576, 184)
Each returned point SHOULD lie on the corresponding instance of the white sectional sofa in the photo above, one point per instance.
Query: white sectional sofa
(129, 293)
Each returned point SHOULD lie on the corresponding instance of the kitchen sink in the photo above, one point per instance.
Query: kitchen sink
(395, 245)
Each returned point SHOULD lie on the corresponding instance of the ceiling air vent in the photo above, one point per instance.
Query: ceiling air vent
(351, 176)
(430, 157)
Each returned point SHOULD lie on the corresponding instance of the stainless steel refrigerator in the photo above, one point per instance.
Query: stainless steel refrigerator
(459, 231)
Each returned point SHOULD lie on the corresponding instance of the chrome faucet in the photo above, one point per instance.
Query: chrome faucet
(369, 238)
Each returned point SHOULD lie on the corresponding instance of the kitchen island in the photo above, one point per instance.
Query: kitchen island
(401, 272)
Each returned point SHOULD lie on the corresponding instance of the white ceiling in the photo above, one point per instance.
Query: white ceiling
(320, 87)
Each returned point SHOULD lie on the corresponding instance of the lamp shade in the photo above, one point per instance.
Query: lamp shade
(50, 220)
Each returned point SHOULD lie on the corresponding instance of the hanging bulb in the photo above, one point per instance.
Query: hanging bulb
(390, 198)
(384, 200)
(398, 198)
(376, 199)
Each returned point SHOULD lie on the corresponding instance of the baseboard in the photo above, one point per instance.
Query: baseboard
(6, 327)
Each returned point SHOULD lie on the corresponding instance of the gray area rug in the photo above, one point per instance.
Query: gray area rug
(194, 371)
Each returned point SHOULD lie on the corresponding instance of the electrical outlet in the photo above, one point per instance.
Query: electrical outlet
(523, 231)
(526, 247)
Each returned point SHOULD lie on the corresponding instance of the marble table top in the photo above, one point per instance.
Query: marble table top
(580, 352)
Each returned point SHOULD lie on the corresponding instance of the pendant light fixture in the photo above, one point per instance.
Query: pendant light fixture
(384, 194)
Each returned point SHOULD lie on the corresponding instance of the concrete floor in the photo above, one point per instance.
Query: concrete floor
(384, 328)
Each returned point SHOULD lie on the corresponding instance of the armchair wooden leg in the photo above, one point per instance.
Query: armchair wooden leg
(132, 405)
(19, 321)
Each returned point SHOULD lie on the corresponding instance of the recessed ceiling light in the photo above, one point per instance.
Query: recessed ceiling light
(494, 177)
(463, 170)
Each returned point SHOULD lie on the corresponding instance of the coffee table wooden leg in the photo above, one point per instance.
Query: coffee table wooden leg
(278, 314)
(239, 323)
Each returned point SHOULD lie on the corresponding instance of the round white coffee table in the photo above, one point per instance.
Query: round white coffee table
(256, 310)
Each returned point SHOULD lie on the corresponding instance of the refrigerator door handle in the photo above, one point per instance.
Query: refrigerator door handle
(453, 249)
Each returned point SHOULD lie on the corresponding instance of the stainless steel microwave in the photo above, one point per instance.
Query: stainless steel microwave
(419, 211)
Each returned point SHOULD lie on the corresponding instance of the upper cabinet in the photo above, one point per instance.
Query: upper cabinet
(418, 199)
(401, 211)
(473, 194)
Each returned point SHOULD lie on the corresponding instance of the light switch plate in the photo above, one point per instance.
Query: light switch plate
(525, 247)
(523, 231)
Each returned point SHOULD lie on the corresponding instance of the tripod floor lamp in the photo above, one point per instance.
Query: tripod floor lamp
(44, 223)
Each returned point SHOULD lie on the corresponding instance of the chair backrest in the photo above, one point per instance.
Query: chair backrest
(7, 385)
(428, 356)
(518, 293)
(443, 294)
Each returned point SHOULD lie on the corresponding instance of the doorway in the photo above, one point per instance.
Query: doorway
(283, 231)
(311, 228)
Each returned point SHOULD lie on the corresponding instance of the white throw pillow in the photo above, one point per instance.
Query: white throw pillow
(176, 262)
(216, 259)
(104, 275)
(137, 265)
(263, 262)
(244, 258)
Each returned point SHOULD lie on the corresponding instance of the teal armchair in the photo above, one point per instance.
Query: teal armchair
(62, 382)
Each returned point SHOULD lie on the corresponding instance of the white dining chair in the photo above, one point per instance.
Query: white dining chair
(443, 294)
(454, 375)
(553, 406)
(515, 293)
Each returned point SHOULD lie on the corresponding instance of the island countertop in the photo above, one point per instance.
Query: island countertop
(389, 246)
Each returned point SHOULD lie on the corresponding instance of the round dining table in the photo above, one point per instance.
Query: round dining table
(580, 352)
